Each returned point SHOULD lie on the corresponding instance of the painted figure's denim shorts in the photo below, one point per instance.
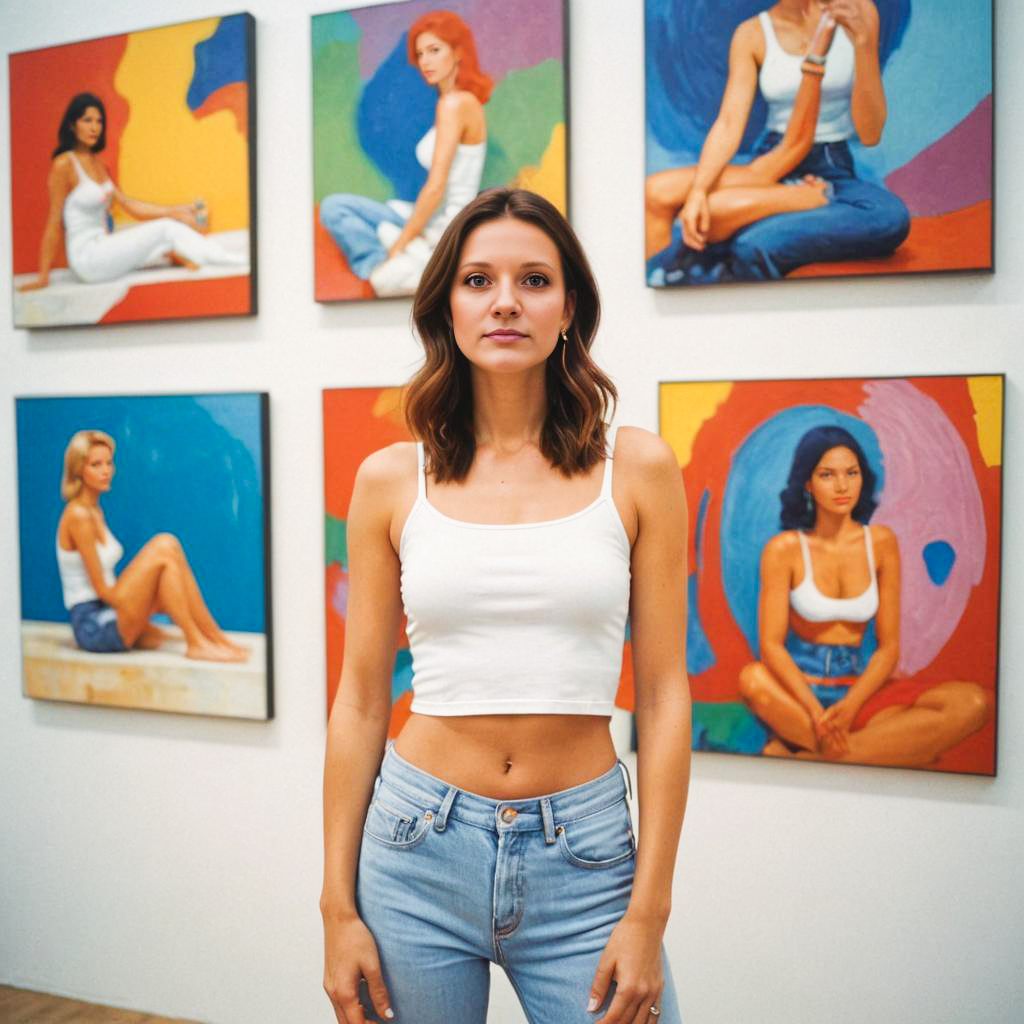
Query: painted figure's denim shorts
(450, 882)
(94, 624)
(829, 661)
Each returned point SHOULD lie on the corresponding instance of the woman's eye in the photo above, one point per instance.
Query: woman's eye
(476, 281)
(535, 280)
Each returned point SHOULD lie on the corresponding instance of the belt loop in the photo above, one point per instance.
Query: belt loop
(549, 821)
(441, 820)
(629, 780)
(828, 660)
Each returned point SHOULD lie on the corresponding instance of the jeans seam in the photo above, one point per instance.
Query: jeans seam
(519, 994)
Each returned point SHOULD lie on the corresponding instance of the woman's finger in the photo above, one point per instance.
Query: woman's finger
(643, 1015)
(599, 988)
(378, 992)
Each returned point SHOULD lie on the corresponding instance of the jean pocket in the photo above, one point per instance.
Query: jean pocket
(395, 820)
(599, 840)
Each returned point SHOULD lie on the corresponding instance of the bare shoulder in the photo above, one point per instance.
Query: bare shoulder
(883, 540)
(457, 102)
(388, 468)
(782, 548)
(749, 37)
(641, 453)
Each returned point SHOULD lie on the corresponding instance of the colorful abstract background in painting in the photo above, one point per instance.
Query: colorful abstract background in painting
(936, 446)
(177, 101)
(935, 153)
(358, 421)
(371, 107)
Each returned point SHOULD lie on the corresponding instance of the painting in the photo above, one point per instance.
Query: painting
(358, 421)
(844, 558)
(133, 168)
(416, 109)
(834, 175)
(144, 530)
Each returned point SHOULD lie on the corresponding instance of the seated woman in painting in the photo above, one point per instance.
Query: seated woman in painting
(81, 193)
(112, 614)
(823, 580)
(822, 88)
(388, 244)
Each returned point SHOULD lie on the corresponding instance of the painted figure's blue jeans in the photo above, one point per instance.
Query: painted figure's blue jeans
(861, 220)
(826, 661)
(450, 881)
(352, 222)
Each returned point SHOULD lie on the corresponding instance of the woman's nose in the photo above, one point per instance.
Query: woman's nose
(506, 302)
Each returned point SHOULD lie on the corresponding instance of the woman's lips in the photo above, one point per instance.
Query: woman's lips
(504, 335)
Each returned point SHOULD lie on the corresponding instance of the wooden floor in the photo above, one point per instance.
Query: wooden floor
(20, 1006)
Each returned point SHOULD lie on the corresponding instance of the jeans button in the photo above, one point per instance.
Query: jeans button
(508, 814)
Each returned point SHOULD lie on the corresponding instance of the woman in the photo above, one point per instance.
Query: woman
(81, 194)
(823, 580)
(497, 828)
(767, 53)
(112, 613)
(389, 244)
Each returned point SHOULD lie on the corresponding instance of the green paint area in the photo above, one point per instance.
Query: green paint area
(728, 727)
(336, 541)
(339, 163)
(523, 110)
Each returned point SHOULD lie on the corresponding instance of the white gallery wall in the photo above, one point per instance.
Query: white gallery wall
(172, 864)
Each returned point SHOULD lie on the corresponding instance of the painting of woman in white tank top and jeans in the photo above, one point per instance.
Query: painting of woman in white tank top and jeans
(516, 535)
(828, 147)
(143, 129)
(845, 603)
(415, 110)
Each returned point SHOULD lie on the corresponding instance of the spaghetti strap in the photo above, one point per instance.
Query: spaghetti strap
(606, 481)
(421, 474)
(808, 571)
(871, 551)
(78, 166)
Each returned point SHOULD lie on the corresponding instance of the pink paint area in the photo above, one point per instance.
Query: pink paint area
(503, 43)
(930, 494)
(952, 173)
(339, 595)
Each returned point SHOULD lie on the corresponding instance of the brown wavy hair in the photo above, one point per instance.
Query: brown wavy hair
(439, 398)
(447, 25)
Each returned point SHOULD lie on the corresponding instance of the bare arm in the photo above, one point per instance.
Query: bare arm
(658, 622)
(773, 622)
(726, 133)
(83, 532)
(141, 210)
(58, 183)
(859, 19)
(450, 123)
(357, 732)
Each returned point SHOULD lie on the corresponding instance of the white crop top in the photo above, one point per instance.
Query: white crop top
(521, 618)
(74, 580)
(462, 185)
(811, 604)
(780, 76)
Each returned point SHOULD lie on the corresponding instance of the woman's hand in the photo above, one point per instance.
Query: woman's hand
(350, 954)
(187, 216)
(696, 218)
(857, 17)
(633, 958)
(836, 724)
(30, 286)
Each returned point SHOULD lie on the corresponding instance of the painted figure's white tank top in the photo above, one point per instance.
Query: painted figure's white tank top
(516, 619)
(74, 580)
(780, 77)
(86, 205)
(463, 181)
(814, 606)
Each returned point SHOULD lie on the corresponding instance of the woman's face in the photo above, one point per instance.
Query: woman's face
(836, 481)
(98, 468)
(508, 299)
(89, 127)
(437, 61)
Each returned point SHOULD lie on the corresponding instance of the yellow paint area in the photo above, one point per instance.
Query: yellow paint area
(685, 408)
(388, 405)
(548, 179)
(987, 397)
(168, 156)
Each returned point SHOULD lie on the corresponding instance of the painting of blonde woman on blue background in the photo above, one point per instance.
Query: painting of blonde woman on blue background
(844, 599)
(812, 138)
(131, 596)
(132, 176)
(416, 109)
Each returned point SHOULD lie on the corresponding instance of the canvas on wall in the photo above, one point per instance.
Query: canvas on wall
(144, 545)
(358, 421)
(418, 108)
(901, 177)
(917, 549)
(133, 176)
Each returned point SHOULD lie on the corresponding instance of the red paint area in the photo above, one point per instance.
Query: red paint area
(332, 277)
(175, 300)
(42, 83)
(234, 98)
(969, 655)
(961, 240)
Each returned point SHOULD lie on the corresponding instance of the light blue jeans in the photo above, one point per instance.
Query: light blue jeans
(450, 882)
(352, 222)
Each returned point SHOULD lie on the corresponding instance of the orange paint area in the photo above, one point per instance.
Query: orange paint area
(174, 300)
(233, 98)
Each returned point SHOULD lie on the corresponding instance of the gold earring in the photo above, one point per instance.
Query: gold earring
(565, 336)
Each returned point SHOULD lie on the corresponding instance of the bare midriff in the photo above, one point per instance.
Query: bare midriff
(848, 634)
(509, 757)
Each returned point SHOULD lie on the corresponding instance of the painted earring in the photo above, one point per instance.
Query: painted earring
(809, 503)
